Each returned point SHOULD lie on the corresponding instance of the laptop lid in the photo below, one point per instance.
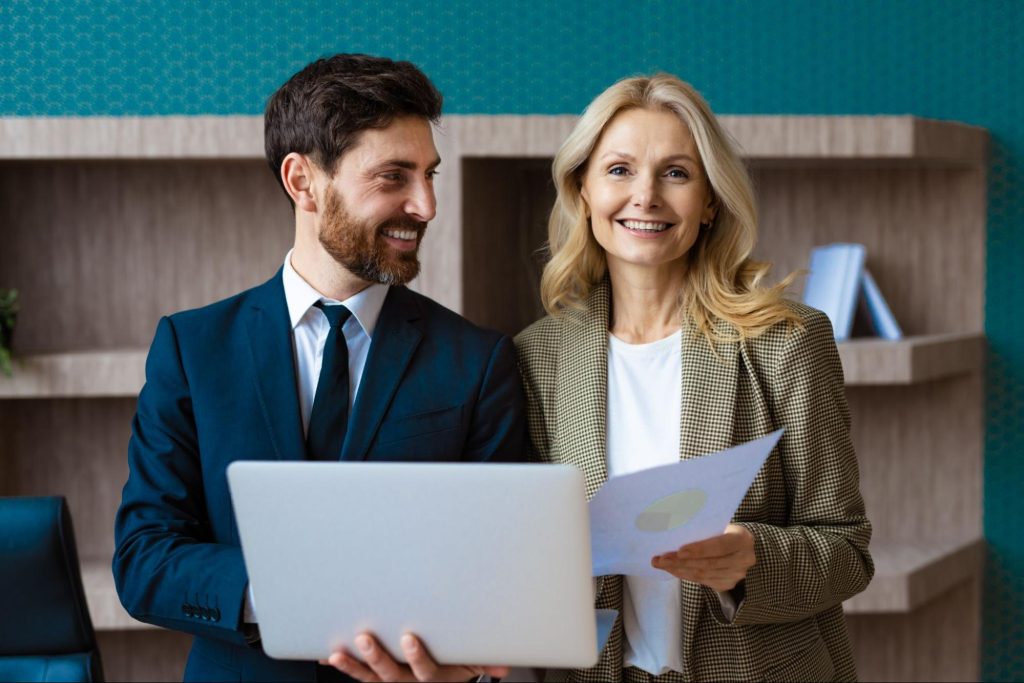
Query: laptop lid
(489, 564)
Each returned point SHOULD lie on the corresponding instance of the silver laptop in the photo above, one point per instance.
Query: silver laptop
(488, 564)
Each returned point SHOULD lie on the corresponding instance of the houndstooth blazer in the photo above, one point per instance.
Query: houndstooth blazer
(804, 509)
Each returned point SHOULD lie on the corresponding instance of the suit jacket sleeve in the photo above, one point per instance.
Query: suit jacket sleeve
(820, 558)
(167, 569)
(498, 429)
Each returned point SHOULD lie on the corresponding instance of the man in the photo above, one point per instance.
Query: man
(333, 358)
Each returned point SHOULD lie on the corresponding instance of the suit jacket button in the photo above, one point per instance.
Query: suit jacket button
(216, 613)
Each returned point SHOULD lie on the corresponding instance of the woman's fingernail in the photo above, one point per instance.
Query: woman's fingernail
(408, 643)
(363, 643)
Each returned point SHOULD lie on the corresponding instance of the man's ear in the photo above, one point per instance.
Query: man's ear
(299, 177)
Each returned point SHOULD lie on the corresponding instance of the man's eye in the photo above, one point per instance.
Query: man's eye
(392, 176)
(432, 174)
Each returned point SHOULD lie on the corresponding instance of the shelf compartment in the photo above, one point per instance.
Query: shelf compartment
(104, 606)
(908, 575)
(801, 139)
(88, 374)
(911, 360)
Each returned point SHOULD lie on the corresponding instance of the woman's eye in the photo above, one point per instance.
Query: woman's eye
(618, 170)
(677, 173)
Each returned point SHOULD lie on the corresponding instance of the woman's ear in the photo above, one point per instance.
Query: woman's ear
(585, 196)
(707, 216)
(298, 177)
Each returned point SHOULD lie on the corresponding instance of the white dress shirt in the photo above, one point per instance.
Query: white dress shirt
(310, 329)
(309, 334)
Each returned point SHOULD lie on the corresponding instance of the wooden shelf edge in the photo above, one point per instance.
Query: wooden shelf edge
(104, 606)
(911, 360)
(121, 373)
(132, 137)
(88, 374)
(910, 575)
(761, 138)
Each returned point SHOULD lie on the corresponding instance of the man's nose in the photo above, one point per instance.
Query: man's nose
(421, 204)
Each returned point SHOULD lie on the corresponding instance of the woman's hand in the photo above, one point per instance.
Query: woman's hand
(378, 665)
(718, 563)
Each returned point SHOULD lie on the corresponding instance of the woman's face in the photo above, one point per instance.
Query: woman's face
(645, 190)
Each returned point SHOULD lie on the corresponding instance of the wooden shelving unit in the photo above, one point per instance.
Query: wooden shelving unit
(121, 373)
(87, 374)
(909, 575)
(911, 360)
(104, 607)
(112, 222)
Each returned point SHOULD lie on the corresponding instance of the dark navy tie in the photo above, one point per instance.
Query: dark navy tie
(328, 420)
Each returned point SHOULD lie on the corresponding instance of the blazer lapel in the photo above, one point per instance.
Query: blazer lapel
(395, 339)
(708, 410)
(270, 340)
(707, 417)
(582, 389)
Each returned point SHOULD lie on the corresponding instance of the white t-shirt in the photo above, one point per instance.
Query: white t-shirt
(644, 396)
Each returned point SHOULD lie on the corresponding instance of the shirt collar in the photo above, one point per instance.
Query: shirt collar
(300, 297)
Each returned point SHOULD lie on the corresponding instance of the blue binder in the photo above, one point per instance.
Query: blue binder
(834, 283)
(837, 280)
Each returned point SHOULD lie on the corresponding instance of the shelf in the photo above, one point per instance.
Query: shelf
(810, 139)
(762, 139)
(911, 360)
(909, 575)
(803, 140)
(132, 137)
(104, 606)
(90, 374)
(98, 374)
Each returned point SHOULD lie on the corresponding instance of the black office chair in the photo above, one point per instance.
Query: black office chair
(45, 630)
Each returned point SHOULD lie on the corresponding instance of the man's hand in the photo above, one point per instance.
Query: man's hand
(718, 563)
(378, 665)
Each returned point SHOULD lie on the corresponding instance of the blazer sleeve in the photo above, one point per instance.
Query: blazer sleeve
(820, 558)
(167, 569)
(498, 429)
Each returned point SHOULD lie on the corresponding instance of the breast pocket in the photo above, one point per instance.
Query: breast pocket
(430, 435)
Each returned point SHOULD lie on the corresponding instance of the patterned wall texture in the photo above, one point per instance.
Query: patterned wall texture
(941, 59)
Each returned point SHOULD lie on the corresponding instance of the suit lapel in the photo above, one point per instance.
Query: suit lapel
(270, 340)
(582, 389)
(708, 406)
(395, 339)
(707, 417)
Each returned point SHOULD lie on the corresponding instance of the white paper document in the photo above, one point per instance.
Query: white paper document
(637, 516)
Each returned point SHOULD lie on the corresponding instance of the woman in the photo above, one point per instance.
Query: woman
(660, 345)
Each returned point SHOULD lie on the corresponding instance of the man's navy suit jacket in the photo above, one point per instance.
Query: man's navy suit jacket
(221, 386)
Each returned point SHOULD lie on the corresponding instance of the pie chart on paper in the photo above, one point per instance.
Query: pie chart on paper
(672, 511)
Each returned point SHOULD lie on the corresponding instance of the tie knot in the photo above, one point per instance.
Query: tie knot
(336, 314)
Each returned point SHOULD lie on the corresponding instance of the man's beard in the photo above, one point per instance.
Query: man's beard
(359, 246)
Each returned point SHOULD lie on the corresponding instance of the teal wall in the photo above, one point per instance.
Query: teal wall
(947, 60)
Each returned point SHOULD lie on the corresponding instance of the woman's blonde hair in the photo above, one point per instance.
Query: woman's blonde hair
(722, 280)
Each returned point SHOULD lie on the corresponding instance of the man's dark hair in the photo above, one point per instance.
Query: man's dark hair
(322, 109)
